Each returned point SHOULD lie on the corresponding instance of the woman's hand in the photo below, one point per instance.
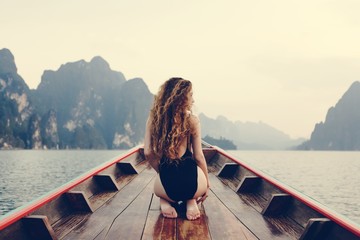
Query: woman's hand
(203, 197)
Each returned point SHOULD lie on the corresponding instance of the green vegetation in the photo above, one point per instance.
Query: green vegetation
(222, 142)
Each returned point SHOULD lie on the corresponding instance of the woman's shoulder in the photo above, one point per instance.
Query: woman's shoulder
(194, 122)
(193, 118)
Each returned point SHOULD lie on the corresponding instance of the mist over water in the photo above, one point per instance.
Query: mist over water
(331, 178)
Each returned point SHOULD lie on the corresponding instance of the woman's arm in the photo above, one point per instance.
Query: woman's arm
(148, 152)
(197, 146)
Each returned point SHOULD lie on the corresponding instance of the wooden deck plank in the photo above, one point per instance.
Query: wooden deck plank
(65, 225)
(196, 229)
(255, 200)
(259, 225)
(131, 222)
(155, 203)
(131, 213)
(222, 223)
(98, 222)
(157, 227)
(99, 199)
(123, 179)
(180, 228)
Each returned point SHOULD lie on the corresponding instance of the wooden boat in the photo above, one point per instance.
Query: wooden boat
(115, 201)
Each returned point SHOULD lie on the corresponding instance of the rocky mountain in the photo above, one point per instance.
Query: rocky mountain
(341, 129)
(15, 106)
(81, 105)
(247, 135)
(88, 105)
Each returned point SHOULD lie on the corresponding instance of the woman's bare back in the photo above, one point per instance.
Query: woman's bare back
(182, 148)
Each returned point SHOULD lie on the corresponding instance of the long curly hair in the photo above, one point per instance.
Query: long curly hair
(170, 117)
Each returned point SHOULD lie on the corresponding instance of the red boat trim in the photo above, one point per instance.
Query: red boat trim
(27, 209)
(352, 227)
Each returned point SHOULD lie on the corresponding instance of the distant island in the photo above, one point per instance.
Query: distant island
(221, 142)
(247, 135)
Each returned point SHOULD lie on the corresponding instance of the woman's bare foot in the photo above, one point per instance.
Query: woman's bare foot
(192, 210)
(167, 210)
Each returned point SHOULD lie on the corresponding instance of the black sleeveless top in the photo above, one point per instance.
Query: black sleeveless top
(179, 176)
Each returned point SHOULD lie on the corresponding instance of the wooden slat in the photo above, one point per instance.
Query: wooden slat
(266, 189)
(14, 231)
(196, 229)
(278, 204)
(55, 209)
(259, 225)
(90, 187)
(254, 200)
(79, 202)
(124, 179)
(249, 184)
(316, 229)
(157, 227)
(337, 232)
(228, 170)
(66, 224)
(127, 167)
(135, 159)
(99, 222)
(301, 213)
(100, 199)
(155, 203)
(38, 227)
(222, 223)
(217, 162)
(131, 222)
(107, 182)
(209, 153)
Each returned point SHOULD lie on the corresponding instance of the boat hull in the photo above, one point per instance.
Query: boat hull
(116, 201)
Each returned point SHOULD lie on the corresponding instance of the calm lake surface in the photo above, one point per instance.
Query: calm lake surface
(331, 178)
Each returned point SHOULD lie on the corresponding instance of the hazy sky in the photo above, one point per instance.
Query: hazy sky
(281, 62)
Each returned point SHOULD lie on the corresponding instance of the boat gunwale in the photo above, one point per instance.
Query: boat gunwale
(24, 211)
(322, 209)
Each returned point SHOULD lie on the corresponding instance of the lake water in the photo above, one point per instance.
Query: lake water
(26, 175)
(331, 178)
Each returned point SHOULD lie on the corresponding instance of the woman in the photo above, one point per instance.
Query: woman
(173, 148)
